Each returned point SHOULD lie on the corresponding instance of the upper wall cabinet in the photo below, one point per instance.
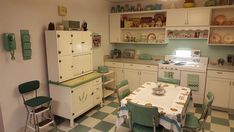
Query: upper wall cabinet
(188, 17)
(114, 20)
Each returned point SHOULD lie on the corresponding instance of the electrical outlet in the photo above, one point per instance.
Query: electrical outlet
(62, 11)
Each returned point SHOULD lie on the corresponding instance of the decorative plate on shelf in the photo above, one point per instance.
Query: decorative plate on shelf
(127, 37)
(215, 38)
(161, 37)
(220, 19)
(228, 38)
(151, 37)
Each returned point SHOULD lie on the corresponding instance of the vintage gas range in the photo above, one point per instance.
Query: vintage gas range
(185, 71)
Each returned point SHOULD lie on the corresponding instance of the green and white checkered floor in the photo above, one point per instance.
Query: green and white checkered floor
(103, 120)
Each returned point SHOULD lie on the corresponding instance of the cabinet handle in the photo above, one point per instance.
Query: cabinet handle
(70, 43)
(71, 35)
(60, 77)
(147, 66)
(82, 42)
(72, 51)
(219, 72)
(230, 83)
(58, 36)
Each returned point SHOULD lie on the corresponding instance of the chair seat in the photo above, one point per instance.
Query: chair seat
(140, 128)
(37, 101)
(191, 122)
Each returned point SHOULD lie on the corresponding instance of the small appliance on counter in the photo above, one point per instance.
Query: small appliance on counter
(116, 53)
(129, 53)
(230, 59)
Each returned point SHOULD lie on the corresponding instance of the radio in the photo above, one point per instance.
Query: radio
(71, 25)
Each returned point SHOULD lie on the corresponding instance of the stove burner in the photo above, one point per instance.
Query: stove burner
(167, 62)
(180, 63)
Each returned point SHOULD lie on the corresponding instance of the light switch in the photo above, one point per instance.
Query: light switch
(62, 11)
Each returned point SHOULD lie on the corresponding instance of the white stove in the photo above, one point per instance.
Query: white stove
(185, 71)
(196, 64)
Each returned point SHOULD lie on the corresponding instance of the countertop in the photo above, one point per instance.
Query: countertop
(79, 80)
(225, 67)
(136, 61)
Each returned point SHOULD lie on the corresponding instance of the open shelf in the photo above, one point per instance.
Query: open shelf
(108, 81)
(107, 93)
(143, 43)
(143, 28)
(108, 73)
(221, 44)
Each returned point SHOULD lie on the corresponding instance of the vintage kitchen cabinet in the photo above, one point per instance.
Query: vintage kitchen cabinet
(69, 54)
(188, 17)
(75, 97)
(114, 20)
(117, 67)
(138, 74)
(221, 84)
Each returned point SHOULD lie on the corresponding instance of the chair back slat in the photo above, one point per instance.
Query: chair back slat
(122, 90)
(206, 105)
(29, 86)
(147, 116)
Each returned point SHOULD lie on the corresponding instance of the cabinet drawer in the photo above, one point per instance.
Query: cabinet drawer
(114, 64)
(97, 81)
(220, 74)
(140, 67)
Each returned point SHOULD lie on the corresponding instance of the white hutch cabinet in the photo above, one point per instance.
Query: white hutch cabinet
(69, 54)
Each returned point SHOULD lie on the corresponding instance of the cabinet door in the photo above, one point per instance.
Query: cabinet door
(86, 41)
(82, 64)
(114, 20)
(148, 76)
(221, 90)
(119, 75)
(176, 17)
(97, 94)
(133, 78)
(81, 42)
(231, 105)
(198, 17)
(65, 68)
(82, 98)
(64, 43)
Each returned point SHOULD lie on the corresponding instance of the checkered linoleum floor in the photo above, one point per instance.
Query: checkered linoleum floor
(103, 120)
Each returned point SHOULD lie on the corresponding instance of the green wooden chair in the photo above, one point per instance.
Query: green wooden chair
(122, 90)
(143, 118)
(36, 106)
(192, 123)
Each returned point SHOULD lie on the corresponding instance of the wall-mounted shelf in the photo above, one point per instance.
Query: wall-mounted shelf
(221, 44)
(139, 43)
(142, 28)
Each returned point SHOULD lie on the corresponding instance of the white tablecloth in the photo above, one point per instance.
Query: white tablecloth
(172, 103)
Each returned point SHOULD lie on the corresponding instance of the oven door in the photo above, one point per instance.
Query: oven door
(169, 76)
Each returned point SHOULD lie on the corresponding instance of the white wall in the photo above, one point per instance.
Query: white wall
(35, 15)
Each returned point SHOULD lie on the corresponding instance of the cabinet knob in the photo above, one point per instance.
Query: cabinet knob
(60, 77)
(72, 51)
(82, 42)
(58, 36)
(60, 61)
(70, 43)
(71, 35)
(72, 91)
(72, 66)
(59, 52)
(92, 93)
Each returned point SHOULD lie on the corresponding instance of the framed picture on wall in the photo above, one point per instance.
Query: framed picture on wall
(96, 40)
